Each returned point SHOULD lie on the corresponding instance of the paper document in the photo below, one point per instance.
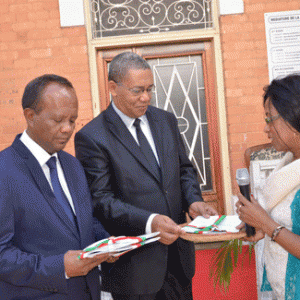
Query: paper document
(214, 224)
(119, 245)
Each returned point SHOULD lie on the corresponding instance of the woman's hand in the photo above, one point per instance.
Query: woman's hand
(251, 213)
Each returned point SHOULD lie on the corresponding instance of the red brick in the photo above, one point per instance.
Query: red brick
(236, 138)
(80, 40)
(56, 32)
(22, 36)
(4, 8)
(255, 8)
(20, 45)
(20, 8)
(38, 6)
(50, 5)
(277, 6)
(41, 25)
(53, 24)
(37, 34)
(232, 55)
(247, 63)
(244, 45)
(8, 37)
(54, 14)
(40, 53)
(77, 59)
(24, 26)
(234, 92)
(74, 31)
(237, 128)
(20, 1)
(7, 18)
(8, 55)
(21, 17)
(249, 81)
(38, 15)
(23, 54)
(260, 26)
(57, 42)
(25, 63)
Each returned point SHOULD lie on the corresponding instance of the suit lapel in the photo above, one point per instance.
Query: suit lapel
(121, 132)
(41, 182)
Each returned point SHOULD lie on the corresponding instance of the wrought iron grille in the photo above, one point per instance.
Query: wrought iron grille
(179, 88)
(136, 17)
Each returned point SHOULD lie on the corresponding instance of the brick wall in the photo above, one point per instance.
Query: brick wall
(32, 43)
(245, 65)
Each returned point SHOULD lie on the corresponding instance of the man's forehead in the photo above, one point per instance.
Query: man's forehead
(56, 89)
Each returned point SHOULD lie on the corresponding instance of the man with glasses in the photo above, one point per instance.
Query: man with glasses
(141, 182)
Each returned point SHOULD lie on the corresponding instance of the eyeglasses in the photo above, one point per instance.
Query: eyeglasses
(271, 119)
(138, 91)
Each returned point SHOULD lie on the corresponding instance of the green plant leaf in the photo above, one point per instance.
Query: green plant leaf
(224, 262)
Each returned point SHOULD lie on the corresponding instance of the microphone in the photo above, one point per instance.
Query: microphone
(243, 180)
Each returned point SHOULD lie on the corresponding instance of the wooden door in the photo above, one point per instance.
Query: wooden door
(184, 81)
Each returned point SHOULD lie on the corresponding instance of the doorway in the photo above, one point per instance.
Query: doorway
(185, 85)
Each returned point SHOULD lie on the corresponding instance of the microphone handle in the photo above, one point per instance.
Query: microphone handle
(245, 191)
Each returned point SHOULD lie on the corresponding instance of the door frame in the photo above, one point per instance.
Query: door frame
(205, 49)
(94, 45)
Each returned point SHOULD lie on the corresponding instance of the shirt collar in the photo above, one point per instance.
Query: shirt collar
(37, 151)
(127, 120)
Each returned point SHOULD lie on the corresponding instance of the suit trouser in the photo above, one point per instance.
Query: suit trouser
(175, 286)
(171, 290)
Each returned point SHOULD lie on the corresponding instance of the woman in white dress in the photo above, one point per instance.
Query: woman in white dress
(279, 224)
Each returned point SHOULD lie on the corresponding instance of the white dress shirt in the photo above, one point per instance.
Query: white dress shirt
(147, 132)
(42, 157)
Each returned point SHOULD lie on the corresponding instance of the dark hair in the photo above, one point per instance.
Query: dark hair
(124, 62)
(34, 89)
(284, 94)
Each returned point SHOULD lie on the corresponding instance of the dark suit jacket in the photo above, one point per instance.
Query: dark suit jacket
(35, 233)
(125, 193)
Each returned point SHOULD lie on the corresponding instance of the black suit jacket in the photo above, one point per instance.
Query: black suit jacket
(35, 232)
(126, 192)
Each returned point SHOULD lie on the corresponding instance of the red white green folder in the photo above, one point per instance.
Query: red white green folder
(213, 224)
(120, 245)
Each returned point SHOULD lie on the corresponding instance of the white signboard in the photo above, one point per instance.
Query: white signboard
(283, 43)
(71, 13)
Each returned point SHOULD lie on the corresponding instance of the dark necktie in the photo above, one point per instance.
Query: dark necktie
(146, 149)
(58, 191)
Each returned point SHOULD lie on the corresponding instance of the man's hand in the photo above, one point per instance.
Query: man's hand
(169, 230)
(201, 209)
(80, 267)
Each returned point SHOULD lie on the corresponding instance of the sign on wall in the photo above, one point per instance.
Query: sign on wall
(71, 13)
(283, 43)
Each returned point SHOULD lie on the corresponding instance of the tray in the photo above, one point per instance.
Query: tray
(214, 237)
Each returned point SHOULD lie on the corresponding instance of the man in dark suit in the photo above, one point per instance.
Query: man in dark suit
(137, 190)
(45, 203)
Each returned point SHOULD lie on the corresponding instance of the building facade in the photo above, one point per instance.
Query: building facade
(209, 61)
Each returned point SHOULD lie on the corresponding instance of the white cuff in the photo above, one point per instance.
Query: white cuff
(149, 223)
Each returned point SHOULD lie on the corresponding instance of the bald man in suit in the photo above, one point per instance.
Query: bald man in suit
(141, 181)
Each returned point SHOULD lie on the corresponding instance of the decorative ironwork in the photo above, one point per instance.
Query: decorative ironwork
(180, 90)
(135, 17)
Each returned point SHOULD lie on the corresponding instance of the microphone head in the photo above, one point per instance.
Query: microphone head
(242, 176)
